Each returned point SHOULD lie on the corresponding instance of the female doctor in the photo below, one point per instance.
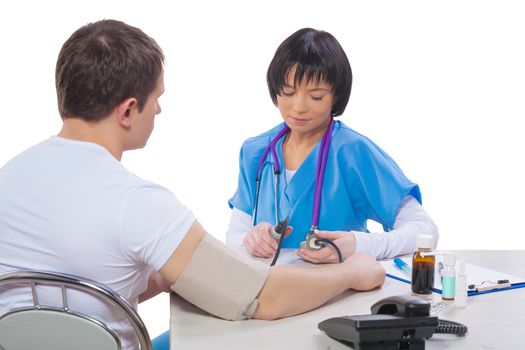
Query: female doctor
(325, 177)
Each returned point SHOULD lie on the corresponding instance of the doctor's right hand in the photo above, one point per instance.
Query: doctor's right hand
(258, 241)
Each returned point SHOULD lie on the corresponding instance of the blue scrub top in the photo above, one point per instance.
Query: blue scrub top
(361, 182)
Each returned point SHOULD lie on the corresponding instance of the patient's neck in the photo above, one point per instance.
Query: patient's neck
(100, 132)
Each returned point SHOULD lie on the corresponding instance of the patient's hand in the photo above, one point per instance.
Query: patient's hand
(367, 273)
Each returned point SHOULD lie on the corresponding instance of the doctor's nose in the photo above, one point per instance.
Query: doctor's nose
(299, 105)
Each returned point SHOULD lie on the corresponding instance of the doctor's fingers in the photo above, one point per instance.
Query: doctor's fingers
(323, 255)
(259, 250)
(344, 240)
(257, 244)
(331, 235)
(261, 232)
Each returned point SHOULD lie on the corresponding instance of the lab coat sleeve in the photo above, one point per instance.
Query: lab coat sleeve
(411, 221)
(240, 223)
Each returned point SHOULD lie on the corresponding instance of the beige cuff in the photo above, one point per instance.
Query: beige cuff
(221, 280)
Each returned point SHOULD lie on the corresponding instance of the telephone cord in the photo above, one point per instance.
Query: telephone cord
(451, 327)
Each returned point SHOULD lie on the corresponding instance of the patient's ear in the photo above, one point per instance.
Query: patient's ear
(126, 111)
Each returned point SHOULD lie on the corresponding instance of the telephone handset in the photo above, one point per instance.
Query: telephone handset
(402, 305)
(397, 322)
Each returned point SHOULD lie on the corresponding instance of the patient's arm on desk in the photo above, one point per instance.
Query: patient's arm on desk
(291, 290)
(286, 290)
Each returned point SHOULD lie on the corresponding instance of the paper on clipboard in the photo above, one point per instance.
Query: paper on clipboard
(475, 275)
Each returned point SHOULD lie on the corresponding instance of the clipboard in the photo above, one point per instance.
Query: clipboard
(476, 275)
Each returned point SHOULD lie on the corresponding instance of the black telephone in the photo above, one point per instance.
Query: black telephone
(397, 322)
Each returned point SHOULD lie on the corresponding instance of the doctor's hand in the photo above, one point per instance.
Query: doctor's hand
(258, 241)
(344, 240)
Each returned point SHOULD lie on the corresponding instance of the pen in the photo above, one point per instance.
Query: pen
(488, 285)
(403, 266)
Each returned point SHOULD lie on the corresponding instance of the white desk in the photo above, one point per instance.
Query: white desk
(495, 320)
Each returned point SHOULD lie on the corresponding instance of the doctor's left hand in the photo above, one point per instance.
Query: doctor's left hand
(344, 240)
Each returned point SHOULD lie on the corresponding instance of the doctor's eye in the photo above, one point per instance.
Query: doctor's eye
(287, 92)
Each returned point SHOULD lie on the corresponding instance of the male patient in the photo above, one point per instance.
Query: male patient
(68, 205)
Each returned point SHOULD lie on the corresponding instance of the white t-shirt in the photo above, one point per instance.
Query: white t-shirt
(70, 206)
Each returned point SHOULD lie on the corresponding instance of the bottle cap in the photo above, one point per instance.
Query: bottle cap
(425, 241)
(450, 260)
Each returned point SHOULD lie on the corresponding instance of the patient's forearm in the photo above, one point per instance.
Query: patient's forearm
(291, 290)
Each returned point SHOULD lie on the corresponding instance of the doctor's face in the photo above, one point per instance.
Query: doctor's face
(306, 107)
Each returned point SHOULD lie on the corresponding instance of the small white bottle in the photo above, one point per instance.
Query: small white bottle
(448, 278)
(461, 285)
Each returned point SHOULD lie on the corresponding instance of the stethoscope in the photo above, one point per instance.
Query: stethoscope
(311, 241)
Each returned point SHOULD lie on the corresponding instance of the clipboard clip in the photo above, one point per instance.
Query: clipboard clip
(489, 285)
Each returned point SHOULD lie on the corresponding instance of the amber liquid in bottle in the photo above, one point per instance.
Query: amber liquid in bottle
(423, 272)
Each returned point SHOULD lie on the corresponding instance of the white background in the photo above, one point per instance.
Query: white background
(439, 85)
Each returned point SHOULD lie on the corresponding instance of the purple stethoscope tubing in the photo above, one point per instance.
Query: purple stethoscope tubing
(276, 171)
(319, 173)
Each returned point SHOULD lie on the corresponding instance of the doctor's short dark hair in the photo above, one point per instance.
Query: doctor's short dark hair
(101, 65)
(316, 56)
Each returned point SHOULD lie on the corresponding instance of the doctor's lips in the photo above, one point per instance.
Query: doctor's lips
(298, 120)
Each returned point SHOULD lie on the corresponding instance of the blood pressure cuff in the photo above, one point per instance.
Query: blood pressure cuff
(222, 281)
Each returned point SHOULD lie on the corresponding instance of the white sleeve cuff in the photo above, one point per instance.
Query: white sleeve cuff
(362, 242)
(411, 221)
(240, 223)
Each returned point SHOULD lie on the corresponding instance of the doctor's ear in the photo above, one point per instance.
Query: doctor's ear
(125, 111)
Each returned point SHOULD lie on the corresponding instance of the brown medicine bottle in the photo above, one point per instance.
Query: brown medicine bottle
(423, 267)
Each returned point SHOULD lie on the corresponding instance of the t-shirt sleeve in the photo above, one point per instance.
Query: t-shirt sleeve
(242, 199)
(153, 224)
(379, 185)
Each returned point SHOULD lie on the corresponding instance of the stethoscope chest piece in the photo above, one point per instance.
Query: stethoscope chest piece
(312, 242)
